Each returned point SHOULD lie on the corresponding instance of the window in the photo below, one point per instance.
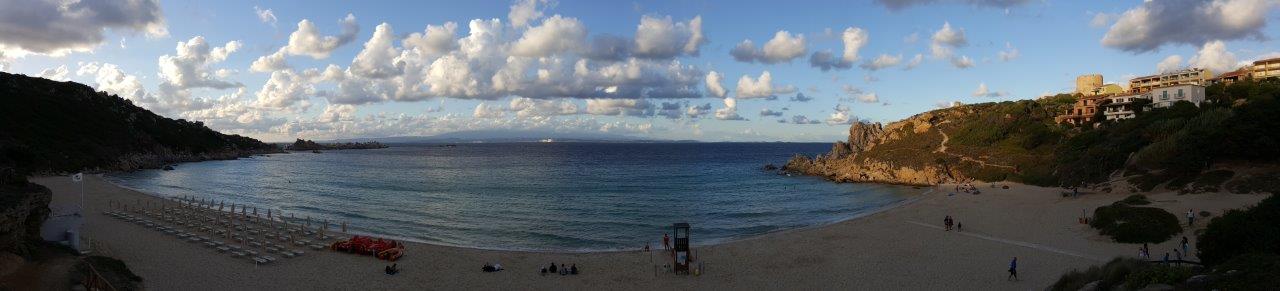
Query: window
(1179, 93)
(1164, 95)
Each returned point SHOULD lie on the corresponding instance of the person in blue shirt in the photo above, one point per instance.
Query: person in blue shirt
(1013, 269)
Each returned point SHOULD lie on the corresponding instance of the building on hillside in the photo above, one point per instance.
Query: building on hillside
(1263, 69)
(1123, 106)
(1196, 76)
(1082, 112)
(1088, 84)
(1166, 96)
(1232, 76)
(1108, 89)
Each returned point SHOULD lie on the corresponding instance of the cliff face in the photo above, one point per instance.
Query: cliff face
(854, 161)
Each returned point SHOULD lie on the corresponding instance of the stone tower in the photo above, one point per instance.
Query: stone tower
(1087, 84)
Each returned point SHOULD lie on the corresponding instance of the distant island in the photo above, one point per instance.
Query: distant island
(308, 145)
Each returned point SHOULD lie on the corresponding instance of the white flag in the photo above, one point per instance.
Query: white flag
(77, 177)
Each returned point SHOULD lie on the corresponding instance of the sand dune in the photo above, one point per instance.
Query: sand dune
(903, 248)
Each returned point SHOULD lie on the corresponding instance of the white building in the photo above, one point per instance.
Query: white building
(1121, 106)
(1166, 96)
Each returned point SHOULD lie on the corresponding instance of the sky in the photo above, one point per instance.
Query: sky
(680, 70)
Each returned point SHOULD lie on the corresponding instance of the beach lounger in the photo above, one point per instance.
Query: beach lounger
(317, 247)
(251, 252)
(237, 254)
(223, 249)
(260, 261)
(193, 239)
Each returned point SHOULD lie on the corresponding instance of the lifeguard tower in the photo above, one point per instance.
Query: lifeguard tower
(680, 248)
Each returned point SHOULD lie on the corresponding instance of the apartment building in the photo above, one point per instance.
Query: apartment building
(1193, 76)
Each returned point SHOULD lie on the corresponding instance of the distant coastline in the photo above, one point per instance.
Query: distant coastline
(308, 145)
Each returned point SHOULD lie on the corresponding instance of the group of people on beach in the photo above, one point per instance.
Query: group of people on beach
(967, 188)
(948, 222)
(562, 270)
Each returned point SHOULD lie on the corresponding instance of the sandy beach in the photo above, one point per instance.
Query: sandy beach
(903, 248)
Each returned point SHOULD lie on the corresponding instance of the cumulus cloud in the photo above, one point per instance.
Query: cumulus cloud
(826, 61)
(619, 107)
(799, 119)
(1214, 57)
(984, 92)
(945, 104)
(915, 62)
(57, 27)
(307, 41)
(524, 12)
(762, 87)
(485, 111)
(853, 39)
(1155, 23)
(904, 4)
(1169, 64)
(946, 40)
(660, 37)
(730, 110)
(783, 47)
(714, 86)
(699, 111)
(840, 115)
(1101, 20)
(57, 74)
(1009, 53)
(265, 15)
(881, 62)
(962, 62)
(533, 108)
(766, 112)
(377, 59)
(800, 97)
(435, 40)
(191, 66)
(555, 35)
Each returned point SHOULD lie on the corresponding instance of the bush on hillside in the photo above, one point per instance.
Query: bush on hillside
(1211, 181)
(1237, 232)
(1128, 224)
(1256, 271)
(1258, 183)
(1113, 273)
(1158, 274)
(1136, 199)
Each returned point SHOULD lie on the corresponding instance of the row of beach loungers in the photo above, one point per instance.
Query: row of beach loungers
(239, 237)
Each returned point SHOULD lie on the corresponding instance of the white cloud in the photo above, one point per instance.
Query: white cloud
(485, 111)
(840, 115)
(524, 12)
(1101, 20)
(799, 119)
(662, 38)
(984, 92)
(766, 112)
(1214, 57)
(1010, 53)
(265, 15)
(761, 87)
(903, 4)
(435, 40)
(730, 110)
(376, 60)
(190, 67)
(1155, 23)
(962, 62)
(555, 35)
(783, 47)
(287, 89)
(619, 107)
(307, 41)
(945, 104)
(533, 108)
(915, 62)
(699, 111)
(854, 38)
(1169, 64)
(714, 86)
(946, 39)
(57, 74)
(59, 27)
(881, 62)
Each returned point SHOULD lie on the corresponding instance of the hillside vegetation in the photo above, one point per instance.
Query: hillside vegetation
(1019, 141)
(50, 127)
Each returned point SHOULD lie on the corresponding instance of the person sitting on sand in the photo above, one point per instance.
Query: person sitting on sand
(563, 270)
(489, 268)
(544, 271)
(552, 268)
(573, 269)
(959, 226)
(392, 269)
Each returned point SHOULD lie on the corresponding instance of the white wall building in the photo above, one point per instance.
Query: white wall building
(1121, 106)
(1166, 96)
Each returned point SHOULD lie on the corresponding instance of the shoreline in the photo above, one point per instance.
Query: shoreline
(886, 207)
(898, 247)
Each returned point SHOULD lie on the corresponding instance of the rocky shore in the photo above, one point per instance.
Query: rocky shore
(897, 153)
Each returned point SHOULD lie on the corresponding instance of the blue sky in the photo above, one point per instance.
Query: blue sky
(1016, 49)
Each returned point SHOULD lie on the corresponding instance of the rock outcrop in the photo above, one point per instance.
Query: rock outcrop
(23, 208)
(852, 161)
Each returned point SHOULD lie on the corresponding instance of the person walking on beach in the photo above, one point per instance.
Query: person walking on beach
(1013, 270)
(1191, 217)
(1186, 246)
(1146, 250)
(666, 242)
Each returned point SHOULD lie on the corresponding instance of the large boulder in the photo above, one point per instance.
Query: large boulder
(23, 208)
(863, 136)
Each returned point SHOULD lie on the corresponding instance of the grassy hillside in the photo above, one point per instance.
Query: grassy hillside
(49, 126)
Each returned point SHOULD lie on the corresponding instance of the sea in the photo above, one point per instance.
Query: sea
(535, 196)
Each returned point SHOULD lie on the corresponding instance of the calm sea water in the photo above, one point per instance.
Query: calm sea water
(534, 196)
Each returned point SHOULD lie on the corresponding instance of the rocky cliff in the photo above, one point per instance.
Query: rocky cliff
(23, 208)
(985, 142)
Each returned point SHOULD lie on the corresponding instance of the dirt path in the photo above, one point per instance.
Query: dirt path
(942, 148)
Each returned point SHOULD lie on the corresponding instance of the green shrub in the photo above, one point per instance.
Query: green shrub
(1255, 271)
(1111, 274)
(1236, 232)
(1136, 199)
(1161, 274)
(1128, 224)
(1260, 183)
(1211, 180)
